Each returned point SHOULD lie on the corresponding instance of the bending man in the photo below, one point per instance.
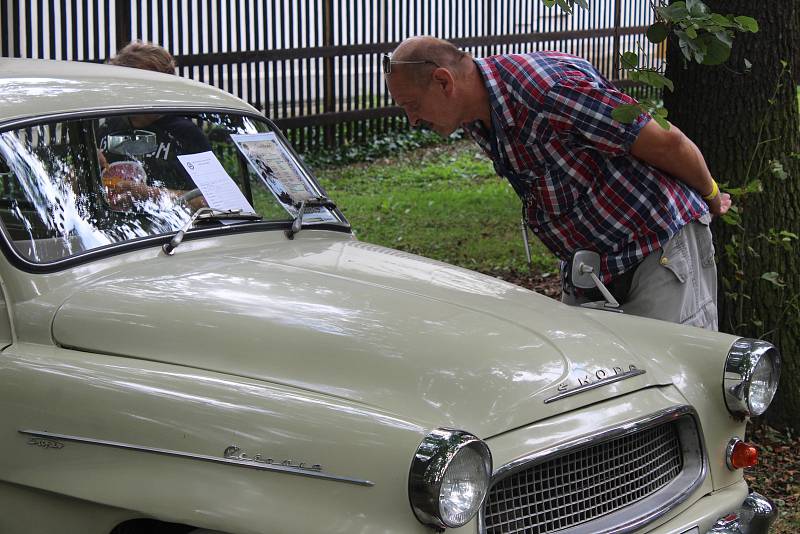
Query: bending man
(639, 195)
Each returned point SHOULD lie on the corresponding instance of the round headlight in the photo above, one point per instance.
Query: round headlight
(449, 478)
(752, 371)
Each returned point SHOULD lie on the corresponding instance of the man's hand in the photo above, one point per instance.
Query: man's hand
(720, 204)
(674, 153)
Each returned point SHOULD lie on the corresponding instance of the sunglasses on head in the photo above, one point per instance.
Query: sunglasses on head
(387, 62)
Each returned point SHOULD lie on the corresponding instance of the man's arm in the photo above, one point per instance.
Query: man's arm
(674, 153)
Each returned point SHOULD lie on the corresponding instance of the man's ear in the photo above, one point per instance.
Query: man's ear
(444, 79)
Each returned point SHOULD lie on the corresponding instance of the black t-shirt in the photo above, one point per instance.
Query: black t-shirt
(175, 135)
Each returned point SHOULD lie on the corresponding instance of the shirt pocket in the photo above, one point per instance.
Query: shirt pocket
(555, 191)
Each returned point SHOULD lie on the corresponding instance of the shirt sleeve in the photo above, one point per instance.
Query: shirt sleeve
(581, 107)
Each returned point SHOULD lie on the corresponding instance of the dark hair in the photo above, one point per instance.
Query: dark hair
(147, 56)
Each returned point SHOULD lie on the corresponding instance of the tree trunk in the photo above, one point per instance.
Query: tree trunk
(727, 113)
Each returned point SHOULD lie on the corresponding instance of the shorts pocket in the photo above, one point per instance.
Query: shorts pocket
(675, 257)
(705, 243)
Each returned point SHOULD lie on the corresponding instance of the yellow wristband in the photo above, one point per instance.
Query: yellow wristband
(714, 191)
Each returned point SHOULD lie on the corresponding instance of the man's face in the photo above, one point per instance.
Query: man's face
(430, 106)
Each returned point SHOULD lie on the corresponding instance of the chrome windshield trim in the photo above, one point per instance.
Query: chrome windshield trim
(598, 384)
(691, 437)
(22, 122)
(25, 264)
(202, 457)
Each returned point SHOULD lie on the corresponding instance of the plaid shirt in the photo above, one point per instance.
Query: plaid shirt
(554, 139)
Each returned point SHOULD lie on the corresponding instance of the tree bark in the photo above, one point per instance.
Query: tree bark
(728, 112)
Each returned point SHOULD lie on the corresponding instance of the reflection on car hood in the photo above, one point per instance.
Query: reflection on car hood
(422, 339)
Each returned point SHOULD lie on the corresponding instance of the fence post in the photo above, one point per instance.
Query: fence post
(329, 102)
(122, 14)
(487, 14)
(617, 26)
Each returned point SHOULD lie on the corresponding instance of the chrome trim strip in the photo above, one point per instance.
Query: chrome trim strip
(690, 438)
(215, 459)
(22, 122)
(593, 385)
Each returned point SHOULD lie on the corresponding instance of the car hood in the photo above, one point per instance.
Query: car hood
(427, 341)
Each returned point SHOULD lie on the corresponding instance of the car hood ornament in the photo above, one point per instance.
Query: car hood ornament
(581, 380)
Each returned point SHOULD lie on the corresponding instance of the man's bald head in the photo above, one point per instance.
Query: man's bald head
(437, 85)
(430, 49)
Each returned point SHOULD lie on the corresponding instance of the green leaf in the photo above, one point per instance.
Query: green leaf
(773, 278)
(732, 217)
(696, 7)
(754, 186)
(777, 170)
(721, 20)
(661, 112)
(685, 50)
(717, 52)
(747, 24)
(583, 3)
(629, 60)
(657, 32)
(661, 121)
(626, 113)
(725, 37)
(565, 6)
(674, 12)
(691, 33)
(654, 79)
(734, 191)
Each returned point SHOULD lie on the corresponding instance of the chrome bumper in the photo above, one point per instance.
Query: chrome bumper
(754, 516)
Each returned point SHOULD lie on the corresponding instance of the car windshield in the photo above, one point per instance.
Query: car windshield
(73, 186)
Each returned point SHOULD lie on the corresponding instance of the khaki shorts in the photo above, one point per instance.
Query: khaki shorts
(679, 282)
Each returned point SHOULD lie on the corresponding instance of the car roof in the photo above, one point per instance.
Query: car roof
(32, 88)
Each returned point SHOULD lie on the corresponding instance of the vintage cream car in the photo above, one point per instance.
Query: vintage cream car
(194, 341)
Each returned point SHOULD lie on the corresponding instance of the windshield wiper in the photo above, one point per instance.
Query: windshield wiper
(207, 214)
(317, 202)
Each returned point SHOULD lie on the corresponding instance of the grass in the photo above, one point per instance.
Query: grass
(444, 202)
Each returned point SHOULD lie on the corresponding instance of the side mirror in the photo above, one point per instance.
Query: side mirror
(131, 143)
(583, 274)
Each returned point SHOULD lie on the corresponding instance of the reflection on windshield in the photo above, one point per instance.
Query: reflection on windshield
(73, 186)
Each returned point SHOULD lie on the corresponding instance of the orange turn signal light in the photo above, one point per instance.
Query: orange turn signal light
(741, 455)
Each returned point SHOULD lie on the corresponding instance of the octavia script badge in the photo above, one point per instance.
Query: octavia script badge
(581, 380)
(235, 453)
(46, 443)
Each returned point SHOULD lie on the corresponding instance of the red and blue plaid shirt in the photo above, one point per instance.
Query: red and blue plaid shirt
(554, 139)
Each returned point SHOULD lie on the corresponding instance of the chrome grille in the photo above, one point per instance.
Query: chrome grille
(585, 483)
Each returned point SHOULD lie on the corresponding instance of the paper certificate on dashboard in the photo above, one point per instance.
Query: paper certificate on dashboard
(219, 190)
(281, 174)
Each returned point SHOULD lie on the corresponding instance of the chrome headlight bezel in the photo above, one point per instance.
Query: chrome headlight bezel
(743, 358)
(431, 461)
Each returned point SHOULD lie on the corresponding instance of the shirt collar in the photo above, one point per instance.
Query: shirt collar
(498, 98)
